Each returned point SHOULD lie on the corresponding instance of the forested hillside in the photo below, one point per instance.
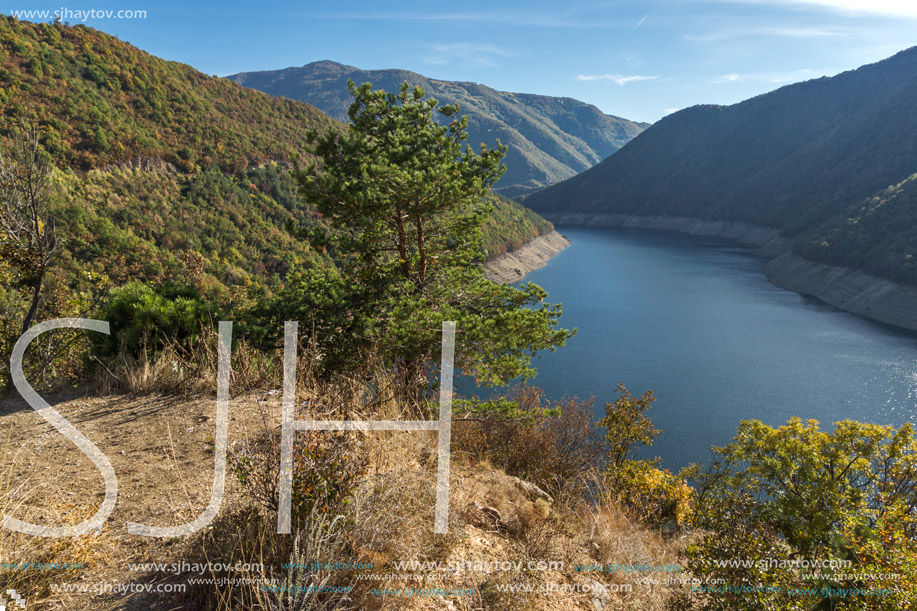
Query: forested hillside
(106, 101)
(549, 138)
(180, 162)
(164, 176)
(878, 235)
(801, 159)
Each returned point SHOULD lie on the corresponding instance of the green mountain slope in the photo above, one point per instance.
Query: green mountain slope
(157, 174)
(107, 101)
(878, 235)
(549, 138)
(794, 159)
(167, 174)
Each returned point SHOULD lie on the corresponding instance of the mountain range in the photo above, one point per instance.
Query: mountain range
(826, 162)
(549, 138)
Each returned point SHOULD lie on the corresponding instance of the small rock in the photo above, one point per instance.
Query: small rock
(600, 596)
(485, 516)
(531, 489)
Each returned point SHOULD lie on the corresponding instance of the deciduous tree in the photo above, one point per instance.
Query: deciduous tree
(27, 237)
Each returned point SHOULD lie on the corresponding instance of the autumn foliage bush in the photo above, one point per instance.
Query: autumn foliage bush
(811, 514)
(648, 492)
(551, 444)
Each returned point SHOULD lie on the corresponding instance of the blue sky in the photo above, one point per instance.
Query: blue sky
(636, 60)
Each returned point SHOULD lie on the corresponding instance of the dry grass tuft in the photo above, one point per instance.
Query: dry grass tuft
(358, 497)
(191, 369)
(551, 452)
(32, 570)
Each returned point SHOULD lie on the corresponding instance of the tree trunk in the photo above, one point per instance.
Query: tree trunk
(421, 250)
(33, 308)
(402, 244)
(409, 382)
(26, 323)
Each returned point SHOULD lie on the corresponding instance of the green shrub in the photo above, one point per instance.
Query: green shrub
(793, 493)
(144, 318)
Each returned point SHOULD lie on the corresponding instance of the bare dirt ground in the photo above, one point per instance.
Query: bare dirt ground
(161, 448)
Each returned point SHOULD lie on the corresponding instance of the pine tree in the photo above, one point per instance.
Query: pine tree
(404, 200)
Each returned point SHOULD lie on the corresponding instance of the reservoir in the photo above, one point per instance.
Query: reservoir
(694, 320)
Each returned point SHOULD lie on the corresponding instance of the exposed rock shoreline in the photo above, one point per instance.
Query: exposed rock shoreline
(844, 288)
(847, 289)
(514, 265)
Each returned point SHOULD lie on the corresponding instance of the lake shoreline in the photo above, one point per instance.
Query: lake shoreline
(514, 265)
(844, 288)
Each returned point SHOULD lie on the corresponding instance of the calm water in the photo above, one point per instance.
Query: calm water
(694, 320)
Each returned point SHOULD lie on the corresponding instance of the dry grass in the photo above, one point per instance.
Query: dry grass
(188, 369)
(389, 518)
(614, 537)
(388, 513)
(551, 452)
(27, 568)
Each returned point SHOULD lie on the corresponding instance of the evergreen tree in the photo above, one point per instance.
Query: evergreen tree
(405, 203)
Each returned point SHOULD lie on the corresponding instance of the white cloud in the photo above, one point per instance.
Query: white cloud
(886, 8)
(767, 31)
(800, 32)
(765, 77)
(639, 23)
(471, 53)
(669, 111)
(620, 79)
